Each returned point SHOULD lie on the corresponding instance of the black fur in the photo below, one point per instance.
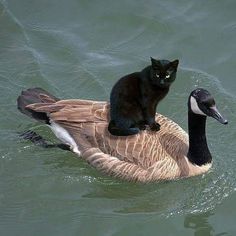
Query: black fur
(134, 97)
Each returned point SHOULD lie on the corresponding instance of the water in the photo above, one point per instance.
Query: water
(78, 49)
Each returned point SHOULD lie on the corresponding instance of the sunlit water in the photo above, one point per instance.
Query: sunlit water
(78, 49)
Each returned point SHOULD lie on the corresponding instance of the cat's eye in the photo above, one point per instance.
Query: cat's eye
(157, 75)
(167, 76)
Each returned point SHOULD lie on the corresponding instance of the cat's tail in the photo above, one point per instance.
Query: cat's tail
(31, 96)
(114, 130)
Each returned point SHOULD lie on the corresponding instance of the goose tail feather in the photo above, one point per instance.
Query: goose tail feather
(32, 96)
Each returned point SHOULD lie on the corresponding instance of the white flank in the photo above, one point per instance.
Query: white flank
(194, 107)
(64, 136)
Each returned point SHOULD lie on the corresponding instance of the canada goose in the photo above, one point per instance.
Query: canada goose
(145, 157)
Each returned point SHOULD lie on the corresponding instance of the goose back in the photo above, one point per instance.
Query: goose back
(147, 156)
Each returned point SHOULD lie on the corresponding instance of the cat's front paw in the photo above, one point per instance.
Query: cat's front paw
(142, 125)
(155, 126)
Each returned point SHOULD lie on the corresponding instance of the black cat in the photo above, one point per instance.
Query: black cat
(134, 97)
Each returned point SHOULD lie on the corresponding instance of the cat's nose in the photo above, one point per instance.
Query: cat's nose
(162, 81)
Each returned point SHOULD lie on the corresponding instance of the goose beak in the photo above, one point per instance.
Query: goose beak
(216, 115)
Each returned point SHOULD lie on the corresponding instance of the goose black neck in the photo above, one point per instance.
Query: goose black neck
(198, 152)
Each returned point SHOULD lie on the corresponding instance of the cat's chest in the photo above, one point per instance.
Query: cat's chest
(154, 95)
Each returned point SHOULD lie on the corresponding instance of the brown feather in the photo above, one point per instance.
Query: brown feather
(147, 156)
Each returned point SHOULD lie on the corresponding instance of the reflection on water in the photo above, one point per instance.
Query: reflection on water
(200, 224)
(78, 49)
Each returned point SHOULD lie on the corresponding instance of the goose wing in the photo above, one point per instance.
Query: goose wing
(144, 157)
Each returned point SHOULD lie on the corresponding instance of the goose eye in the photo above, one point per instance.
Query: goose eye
(157, 75)
(167, 76)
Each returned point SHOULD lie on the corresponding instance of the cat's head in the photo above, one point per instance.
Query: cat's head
(163, 72)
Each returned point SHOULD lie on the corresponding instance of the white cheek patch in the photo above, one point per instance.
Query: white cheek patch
(195, 108)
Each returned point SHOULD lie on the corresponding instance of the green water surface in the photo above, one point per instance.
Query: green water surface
(78, 49)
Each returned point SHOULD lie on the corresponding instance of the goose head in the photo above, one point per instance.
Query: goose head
(201, 102)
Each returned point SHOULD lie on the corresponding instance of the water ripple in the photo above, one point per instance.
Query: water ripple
(36, 55)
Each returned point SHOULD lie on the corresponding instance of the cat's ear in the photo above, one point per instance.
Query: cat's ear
(155, 62)
(152, 60)
(175, 64)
